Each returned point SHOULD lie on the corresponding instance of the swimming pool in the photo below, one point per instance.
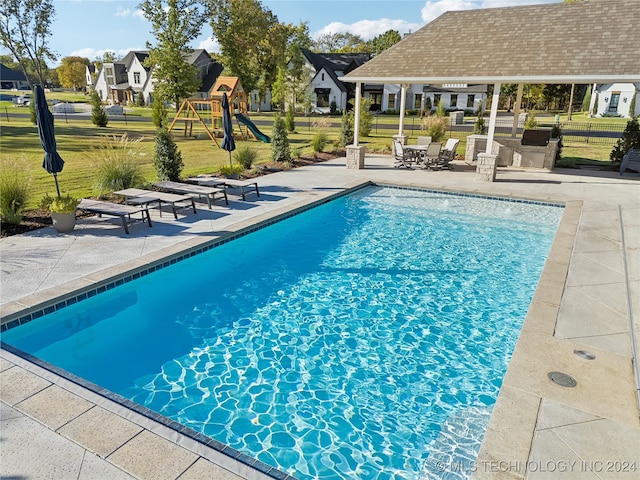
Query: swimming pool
(354, 340)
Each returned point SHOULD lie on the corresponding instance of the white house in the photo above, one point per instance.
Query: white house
(325, 68)
(120, 82)
(615, 99)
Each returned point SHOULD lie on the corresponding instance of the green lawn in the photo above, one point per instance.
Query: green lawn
(19, 143)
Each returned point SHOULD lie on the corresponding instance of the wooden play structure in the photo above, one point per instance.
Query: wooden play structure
(208, 111)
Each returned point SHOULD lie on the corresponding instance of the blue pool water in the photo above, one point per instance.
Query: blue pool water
(365, 338)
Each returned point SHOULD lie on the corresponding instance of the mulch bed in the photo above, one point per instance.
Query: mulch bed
(40, 218)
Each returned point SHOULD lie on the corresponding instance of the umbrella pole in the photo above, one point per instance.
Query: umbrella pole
(230, 164)
(55, 177)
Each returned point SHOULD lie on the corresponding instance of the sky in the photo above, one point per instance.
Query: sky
(88, 28)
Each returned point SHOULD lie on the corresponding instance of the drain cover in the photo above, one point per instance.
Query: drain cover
(562, 379)
(584, 354)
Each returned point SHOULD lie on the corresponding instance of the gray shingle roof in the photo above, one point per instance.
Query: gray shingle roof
(581, 42)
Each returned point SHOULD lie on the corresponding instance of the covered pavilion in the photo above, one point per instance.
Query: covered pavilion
(585, 42)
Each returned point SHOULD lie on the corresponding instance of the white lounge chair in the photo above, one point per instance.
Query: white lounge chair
(630, 160)
(403, 157)
(448, 154)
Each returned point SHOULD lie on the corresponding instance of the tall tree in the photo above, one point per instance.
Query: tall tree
(72, 72)
(243, 29)
(340, 43)
(380, 43)
(25, 26)
(175, 24)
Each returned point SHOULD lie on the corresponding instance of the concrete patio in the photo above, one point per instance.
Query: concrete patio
(584, 303)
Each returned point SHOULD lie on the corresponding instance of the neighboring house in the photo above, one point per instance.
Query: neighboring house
(453, 96)
(325, 69)
(12, 79)
(121, 82)
(614, 99)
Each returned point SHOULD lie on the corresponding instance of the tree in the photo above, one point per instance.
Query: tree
(340, 43)
(98, 116)
(630, 141)
(280, 151)
(386, 40)
(159, 114)
(72, 72)
(25, 26)
(174, 27)
(346, 129)
(167, 158)
(107, 57)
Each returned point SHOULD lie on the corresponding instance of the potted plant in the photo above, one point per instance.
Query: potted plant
(63, 211)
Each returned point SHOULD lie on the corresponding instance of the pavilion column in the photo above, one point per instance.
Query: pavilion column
(355, 153)
(516, 110)
(401, 137)
(486, 167)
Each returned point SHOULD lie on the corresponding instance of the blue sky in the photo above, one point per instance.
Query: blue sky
(88, 28)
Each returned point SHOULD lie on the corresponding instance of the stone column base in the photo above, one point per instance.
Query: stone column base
(486, 168)
(355, 157)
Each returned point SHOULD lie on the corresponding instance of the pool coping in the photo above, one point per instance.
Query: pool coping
(541, 316)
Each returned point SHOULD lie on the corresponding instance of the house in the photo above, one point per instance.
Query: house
(454, 96)
(12, 79)
(325, 68)
(615, 99)
(121, 81)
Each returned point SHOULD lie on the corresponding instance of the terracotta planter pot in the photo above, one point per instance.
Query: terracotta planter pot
(63, 222)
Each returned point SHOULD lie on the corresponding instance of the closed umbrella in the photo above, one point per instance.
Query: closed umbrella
(52, 163)
(227, 127)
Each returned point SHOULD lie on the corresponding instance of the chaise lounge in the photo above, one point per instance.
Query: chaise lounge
(209, 193)
(124, 212)
(138, 196)
(245, 186)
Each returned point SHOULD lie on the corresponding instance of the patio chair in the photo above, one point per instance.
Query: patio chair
(431, 156)
(138, 196)
(630, 160)
(448, 154)
(424, 140)
(403, 157)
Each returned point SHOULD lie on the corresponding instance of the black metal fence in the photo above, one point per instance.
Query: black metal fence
(594, 133)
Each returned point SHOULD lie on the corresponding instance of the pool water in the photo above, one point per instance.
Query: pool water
(365, 338)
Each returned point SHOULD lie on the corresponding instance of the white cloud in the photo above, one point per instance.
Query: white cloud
(434, 8)
(210, 45)
(138, 14)
(368, 29)
(122, 12)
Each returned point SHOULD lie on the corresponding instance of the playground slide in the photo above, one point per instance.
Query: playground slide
(252, 126)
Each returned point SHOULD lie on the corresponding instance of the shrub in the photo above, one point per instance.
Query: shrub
(98, 116)
(159, 114)
(280, 151)
(14, 192)
(140, 99)
(333, 108)
(231, 170)
(346, 130)
(586, 101)
(245, 156)
(532, 122)
(296, 152)
(556, 132)
(427, 105)
(365, 118)
(319, 142)
(116, 163)
(290, 120)
(435, 127)
(632, 105)
(478, 125)
(630, 140)
(167, 158)
(62, 204)
(595, 105)
(441, 111)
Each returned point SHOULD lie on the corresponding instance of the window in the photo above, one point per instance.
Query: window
(471, 100)
(323, 77)
(136, 78)
(322, 99)
(615, 100)
(392, 101)
(454, 100)
(108, 73)
(417, 101)
(436, 99)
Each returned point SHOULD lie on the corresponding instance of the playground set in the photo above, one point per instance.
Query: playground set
(207, 112)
